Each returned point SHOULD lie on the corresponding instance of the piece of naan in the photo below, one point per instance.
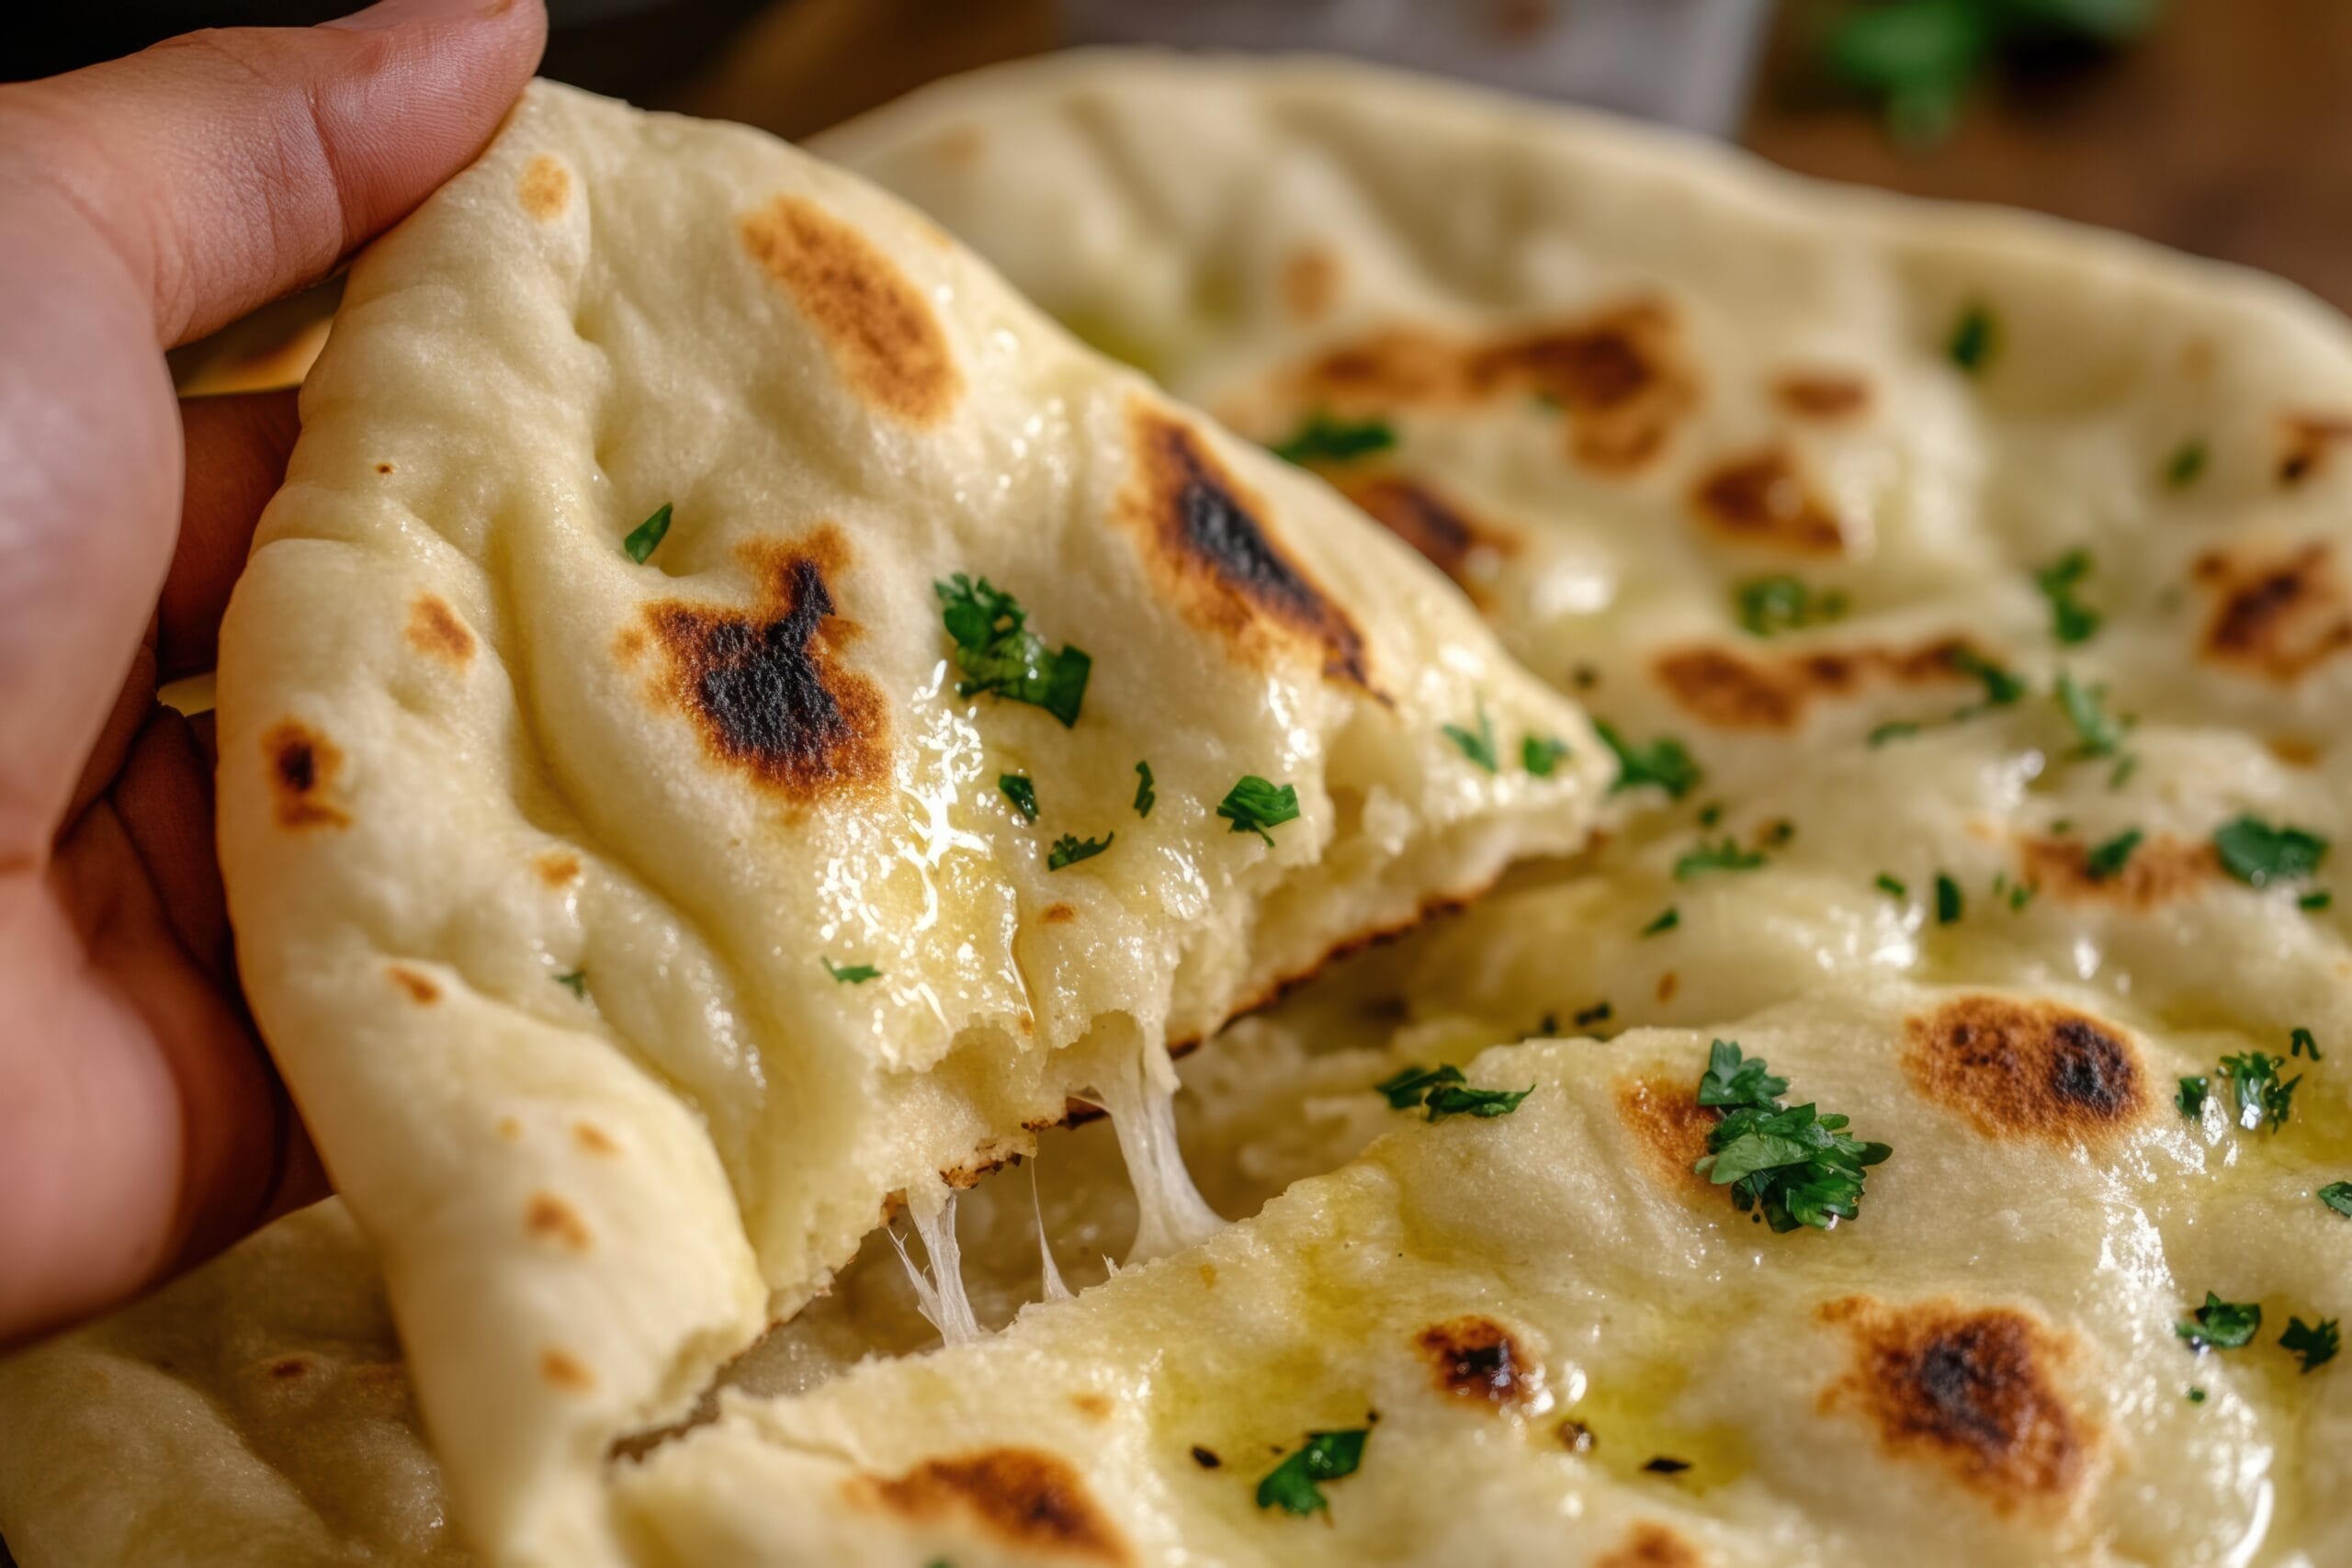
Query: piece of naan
(734, 715)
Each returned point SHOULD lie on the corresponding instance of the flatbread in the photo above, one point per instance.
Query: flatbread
(634, 917)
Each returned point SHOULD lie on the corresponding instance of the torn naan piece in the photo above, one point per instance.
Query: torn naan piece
(1541, 1337)
(1740, 458)
(734, 715)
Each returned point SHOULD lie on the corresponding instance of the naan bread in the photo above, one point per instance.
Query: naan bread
(633, 918)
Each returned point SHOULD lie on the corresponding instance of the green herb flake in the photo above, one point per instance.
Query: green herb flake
(2302, 1042)
(1325, 439)
(1666, 921)
(2258, 854)
(2191, 1097)
(2071, 621)
(1253, 804)
(1947, 901)
(997, 653)
(1478, 745)
(2001, 687)
(1444, 1093)
(2262, 1099)
(1891, 887)
(1725, 856)
(1664, 762)
(2314, 1344)
(2221, 1325)
(1894, 730)
(2317, 899)
(1973, 337)
(1069, 850)
(1410, 1085)
(2195, 1395)
(2097, 733)
(1711, 813)
(851, 973)
(1539, 754)
(2108, 860)
(1144, 797)
(1296, 1485)
(1769, 605)
(2186, 464)
(1020, 792)
(2338, 1195)
(1791, 1164)
(576, 983)
(645, 537)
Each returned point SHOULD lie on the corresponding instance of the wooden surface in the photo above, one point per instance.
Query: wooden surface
(2227, 132)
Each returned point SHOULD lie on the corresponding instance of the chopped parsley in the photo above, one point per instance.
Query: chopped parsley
(1666, 921)
(1725, 856)
(1539, 754)
(2302, 1042)
(2097, 733)
(1145, 798)
(646, 536)
(1894, 730)
(997, 653)
(2253, 1084)
(2221, 1325)
(1294, 1485)
(1599, 1013)
(2186, 465)
(1445, 1093)
(851, 973)
(2319, 898)
(1323, 438)
(2071, 620)
(1972, 339)
(2191, 1097)
(576, 983)
(2314, 1344)
(1948, 903)
(1069, 850)
(2195, 1395)
(2108, 860)
(2258, 854)
(1769, 605)
(1478, 745)
(1663, 762)
(1020, 792)
(2001, 687)
(1254, 805)
(1891, 887)
(2338, 1195)
(1711, 813)
(1796, 1167)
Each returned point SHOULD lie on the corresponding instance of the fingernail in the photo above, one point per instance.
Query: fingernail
(405, 13)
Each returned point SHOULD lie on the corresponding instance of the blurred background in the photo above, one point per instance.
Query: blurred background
(2223, 127)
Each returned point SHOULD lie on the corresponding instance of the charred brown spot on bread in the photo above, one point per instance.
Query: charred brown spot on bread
(1973, 1390)
(1651, 1545)
(2305, 442)
(1310, 282)
(1821, 394)
(550, 1218)
(1203, 534)
(767, 688)
(419, 988)
(1669, 1126)
(290, 1368)
(1764, 497)
(545, 188)
(1732, 688)
(1094, 1406)
(1058, 914)
(878, 329)
(383, 468)
(1394, 367)
(2275, 615)
(302, 766)
(2027, 1068)
(1448, 538)
(557, 868)
(2295, 751)
(594, 1139)
(434, 628)
(1668, 984)
(1475, 1357)
(2161, 870)
(561, 1368)
(1030, 1500)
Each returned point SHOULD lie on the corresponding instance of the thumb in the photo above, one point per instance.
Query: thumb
(225, 168)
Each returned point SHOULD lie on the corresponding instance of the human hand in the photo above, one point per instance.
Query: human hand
(144, 203)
